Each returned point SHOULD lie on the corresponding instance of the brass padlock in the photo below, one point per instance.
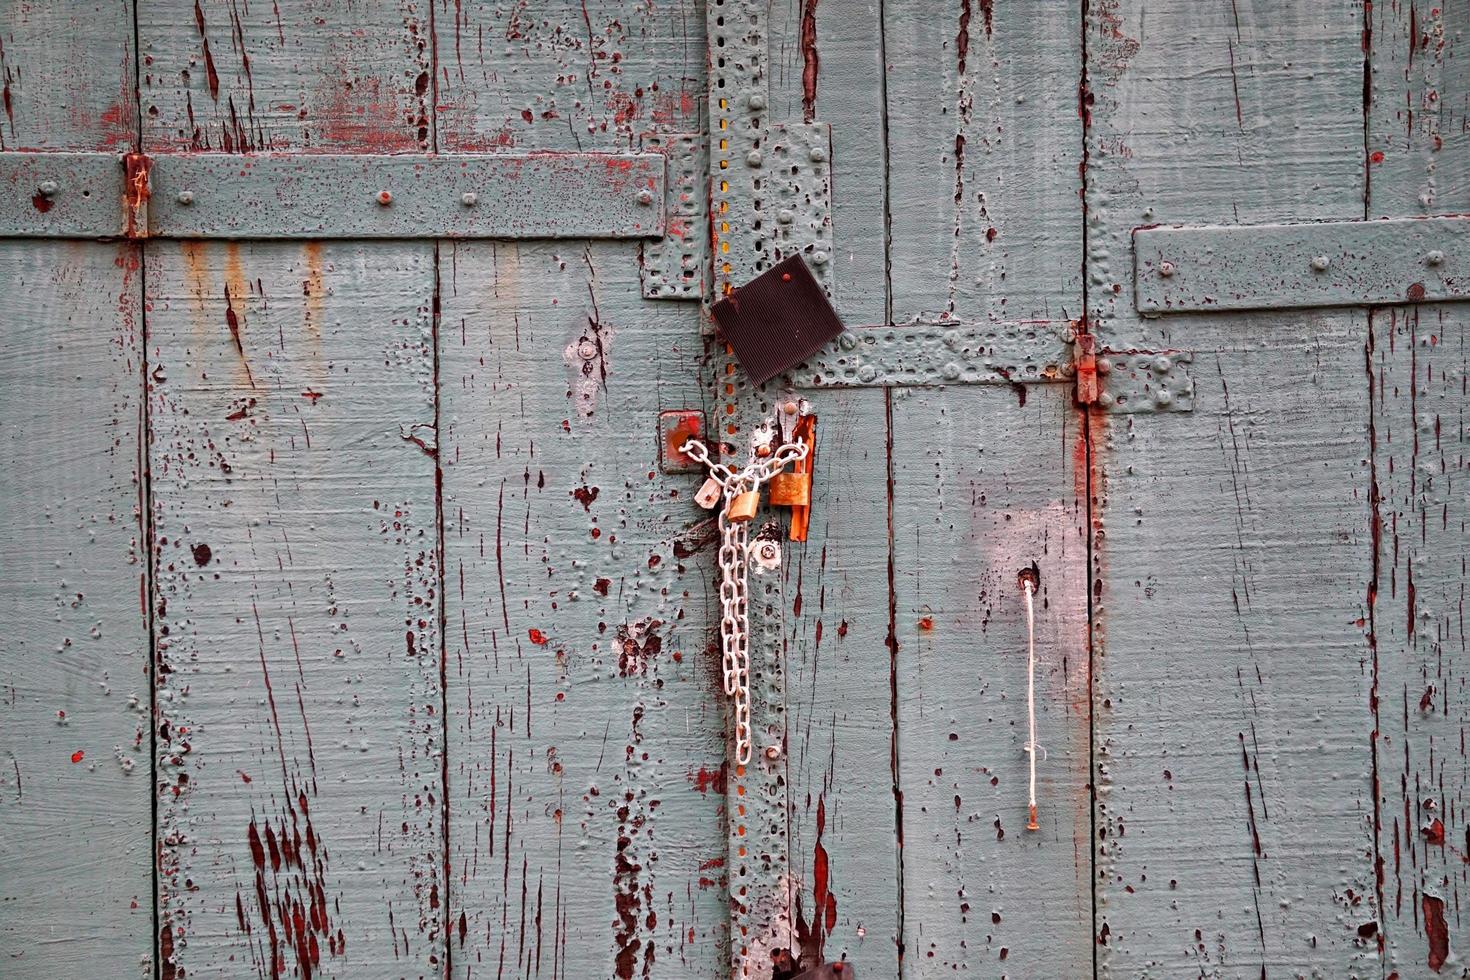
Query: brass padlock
(791, 490)
(743, 506)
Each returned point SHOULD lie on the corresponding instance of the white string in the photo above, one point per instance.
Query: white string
(1030, 588)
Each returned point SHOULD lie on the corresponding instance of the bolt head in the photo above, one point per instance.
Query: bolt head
(469, 199)
(1166, 268)
(1435, 257)
(49, 188)
(645, 197)
(385, 198)
(185, 198)
(1321, 263)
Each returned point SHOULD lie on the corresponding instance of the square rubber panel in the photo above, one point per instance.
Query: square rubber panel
(777, 320)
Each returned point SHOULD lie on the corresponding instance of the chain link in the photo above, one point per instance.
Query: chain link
(734, 573)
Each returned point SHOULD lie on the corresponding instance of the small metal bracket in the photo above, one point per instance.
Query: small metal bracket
(1331, 263)
(317, 196)
(676, 265)
(1145, 382)
(942, 352)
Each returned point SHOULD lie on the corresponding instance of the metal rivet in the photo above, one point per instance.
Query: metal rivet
(1435, 257)
(586, 350)
(48, 188)
(789, 408)
(1162, 364)
(186, 198)
(645, 197)
(847, 341)
(867, 373)
(1321, 262)
(385, 198)
(1105, 399)
(785, 217)
(469, 199)
(1166, 268)
(819, 258)
(1104, 365)
(1162, 398)
(817, 154)
(757, 101)
(753, 158)
(773, 752)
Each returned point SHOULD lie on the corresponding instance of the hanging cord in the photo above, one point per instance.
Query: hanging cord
(1029, 587)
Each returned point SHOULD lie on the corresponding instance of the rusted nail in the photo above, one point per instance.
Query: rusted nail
(645, 197)
(1320, 263)
(469, 199)
(1166, 268)
(48, 188)
(385, 198)
(185, 198)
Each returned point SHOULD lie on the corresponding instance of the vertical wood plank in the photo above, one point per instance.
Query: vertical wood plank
(286, 75)
(299, 729)
(567, 75)
(826, 65)
(1417, 368)
(587, 731)
(1232, 692)
(987, 229)
(76, 895)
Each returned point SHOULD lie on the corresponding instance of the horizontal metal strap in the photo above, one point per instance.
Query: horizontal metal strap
(942, 353)
(1334, 263)
(274, 196)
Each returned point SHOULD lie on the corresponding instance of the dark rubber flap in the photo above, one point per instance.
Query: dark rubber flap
(777, 320)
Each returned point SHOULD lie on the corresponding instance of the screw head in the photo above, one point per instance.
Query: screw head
(753, 158)
(645, 197)
(48, 188)
(185, 198)
(1166, 268)
(385, 198)
(586, 350)
(1321, 263)
(1435, 257)
(469, 199)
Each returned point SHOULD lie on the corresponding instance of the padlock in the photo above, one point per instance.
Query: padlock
(709, 494)
(743, 506)
(791, 490)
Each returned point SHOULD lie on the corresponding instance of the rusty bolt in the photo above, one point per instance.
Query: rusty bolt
(1435, 257)
(586, 350)
(469, 199)
(1166, 268)
(753, 158)
(773, 752)
(757, 101)
(1320, 263)
(49, 188)
(385, 198)
(817, 154)
(185, 198)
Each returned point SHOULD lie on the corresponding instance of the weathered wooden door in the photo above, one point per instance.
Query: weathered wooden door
(360, 620)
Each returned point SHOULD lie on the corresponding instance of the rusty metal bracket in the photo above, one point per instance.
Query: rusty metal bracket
(942, 352)
(676, 266)
(1289, 266)
(309, 196)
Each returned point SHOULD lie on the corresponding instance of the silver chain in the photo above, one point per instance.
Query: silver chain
(734, 565)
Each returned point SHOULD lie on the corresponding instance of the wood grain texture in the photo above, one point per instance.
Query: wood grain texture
(287, 75)
(66, 76)
(826, 65)
(1233, 545)
(297, 609)
(991, 488)
(566, 75)
(1416, 376)
(587, 728)
(76, 894)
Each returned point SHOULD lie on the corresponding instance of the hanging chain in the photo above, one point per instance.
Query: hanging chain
(734, 565)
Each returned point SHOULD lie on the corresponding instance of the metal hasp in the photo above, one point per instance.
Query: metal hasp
(1335, 263)
(333, 196)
